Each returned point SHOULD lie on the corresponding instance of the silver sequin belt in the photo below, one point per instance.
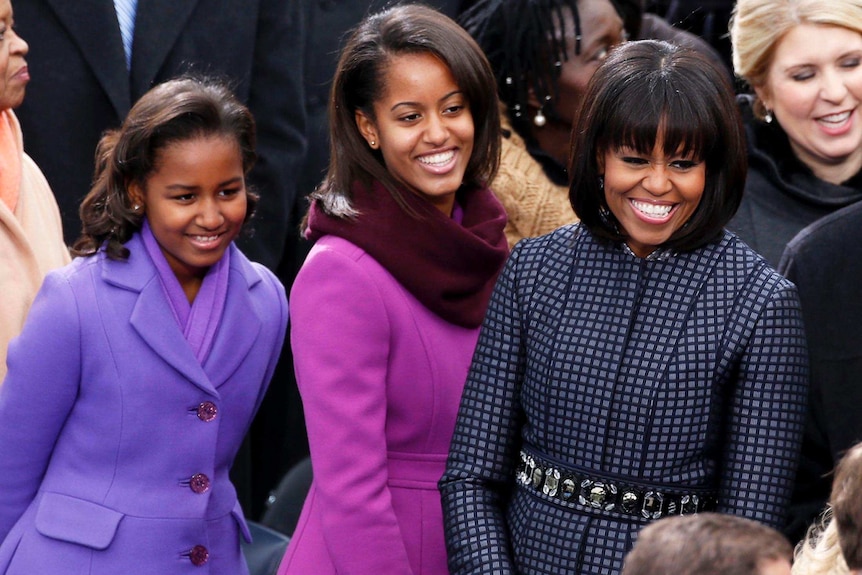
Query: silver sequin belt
(574, 488)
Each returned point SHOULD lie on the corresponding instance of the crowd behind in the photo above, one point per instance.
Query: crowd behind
(455, 287)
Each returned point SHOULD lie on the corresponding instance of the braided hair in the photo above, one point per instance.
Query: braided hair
(526, 48)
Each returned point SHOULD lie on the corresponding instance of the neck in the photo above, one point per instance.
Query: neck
(836, 172)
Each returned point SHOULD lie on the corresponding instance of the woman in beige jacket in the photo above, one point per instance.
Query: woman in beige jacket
(31, 237)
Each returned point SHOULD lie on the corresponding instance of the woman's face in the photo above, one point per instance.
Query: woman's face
(13, 68)
(651, 195)
(423, 127)
(601, 29)
(814, 88)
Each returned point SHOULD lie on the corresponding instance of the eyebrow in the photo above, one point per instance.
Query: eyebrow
(188, 187)
(446, 97)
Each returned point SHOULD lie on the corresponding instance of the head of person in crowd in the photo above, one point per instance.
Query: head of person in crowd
(13, 68)
(166, 121)
(803, 60)
(709, 544)
(658, 149)
(411, 109)
(834, 545)
(544, 53)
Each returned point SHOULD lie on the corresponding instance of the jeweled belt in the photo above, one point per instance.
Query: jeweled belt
(575, 488)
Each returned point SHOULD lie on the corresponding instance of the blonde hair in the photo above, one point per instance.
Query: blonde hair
(819, 553)
(834, 545)
(757, 26)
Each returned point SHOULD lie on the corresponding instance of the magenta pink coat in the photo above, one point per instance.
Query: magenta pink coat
(381, 379)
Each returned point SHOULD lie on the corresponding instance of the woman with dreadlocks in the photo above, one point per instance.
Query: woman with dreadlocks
(543, 53)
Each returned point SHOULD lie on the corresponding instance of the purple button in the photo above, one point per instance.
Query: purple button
(207, 411)
(199, 483)
(199, 555)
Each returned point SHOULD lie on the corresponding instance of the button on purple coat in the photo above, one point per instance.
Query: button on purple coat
(100, 430)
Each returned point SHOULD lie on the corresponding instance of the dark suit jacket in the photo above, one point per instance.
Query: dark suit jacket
(825, 261)
(80, 87)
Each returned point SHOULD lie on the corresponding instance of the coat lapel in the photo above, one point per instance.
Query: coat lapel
(158, 24)
(240, 324)
(93, 26)
(151, 316)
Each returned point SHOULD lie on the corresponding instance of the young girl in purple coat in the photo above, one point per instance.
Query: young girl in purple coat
(143, 361)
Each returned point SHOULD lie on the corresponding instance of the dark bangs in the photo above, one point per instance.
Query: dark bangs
(649, 91)
(658, 109)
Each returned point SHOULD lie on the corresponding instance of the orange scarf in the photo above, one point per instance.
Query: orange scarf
(10, 161)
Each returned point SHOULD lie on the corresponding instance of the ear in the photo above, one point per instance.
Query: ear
(532, 99)
(136, 194)
(367, 129)
(763, 96)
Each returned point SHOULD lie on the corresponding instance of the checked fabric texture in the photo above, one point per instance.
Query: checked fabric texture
(683, 369)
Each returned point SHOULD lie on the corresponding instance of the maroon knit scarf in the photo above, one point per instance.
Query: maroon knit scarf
(449, 267)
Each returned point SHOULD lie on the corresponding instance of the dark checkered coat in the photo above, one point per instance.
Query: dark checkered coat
(681, 369)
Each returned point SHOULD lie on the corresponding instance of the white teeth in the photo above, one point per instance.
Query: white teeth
(835, 118)
(204, 239)
(653, 210)
(437, 159)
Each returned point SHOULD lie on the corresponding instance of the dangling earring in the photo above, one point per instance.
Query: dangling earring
(602, 183)
(539, 119)
(767, 117)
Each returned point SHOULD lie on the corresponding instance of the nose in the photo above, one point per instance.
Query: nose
(656, 180)
(833, 87)
(210, 216)
(19, 45)
(436, 131)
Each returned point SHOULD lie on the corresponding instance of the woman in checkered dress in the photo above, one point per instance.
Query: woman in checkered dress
(639, 364)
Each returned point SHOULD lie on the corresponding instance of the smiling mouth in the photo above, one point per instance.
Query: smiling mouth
(437, 160)
(206, 239)
(652, 210)
(835, 120)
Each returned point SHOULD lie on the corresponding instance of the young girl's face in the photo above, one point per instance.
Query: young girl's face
(195, 202)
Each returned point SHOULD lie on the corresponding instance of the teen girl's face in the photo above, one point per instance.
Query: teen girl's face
(652, 195)
(195, 202)
(814, 89)
(423, 127)
(14, 74)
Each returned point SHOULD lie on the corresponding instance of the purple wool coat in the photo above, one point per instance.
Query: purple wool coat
(115, 443)
(381, 379)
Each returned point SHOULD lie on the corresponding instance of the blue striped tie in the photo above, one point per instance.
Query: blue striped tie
(126, 17)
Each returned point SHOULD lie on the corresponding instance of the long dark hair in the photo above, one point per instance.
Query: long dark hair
(174, 111)
(358, 83)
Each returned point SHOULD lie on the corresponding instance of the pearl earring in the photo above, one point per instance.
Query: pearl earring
(372, 143)
(768, 117)
(540, 120)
